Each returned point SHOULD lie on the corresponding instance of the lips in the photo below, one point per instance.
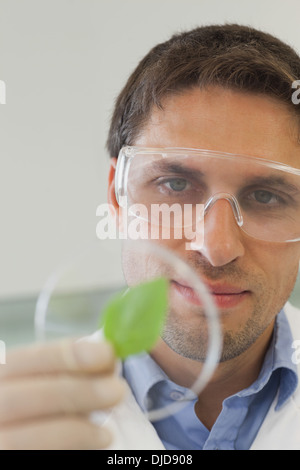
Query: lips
(223, 294)
(224, 289)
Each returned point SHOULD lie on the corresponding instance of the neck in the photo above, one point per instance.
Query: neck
(229, 377)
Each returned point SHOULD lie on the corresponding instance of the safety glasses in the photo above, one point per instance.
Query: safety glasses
(264, 195)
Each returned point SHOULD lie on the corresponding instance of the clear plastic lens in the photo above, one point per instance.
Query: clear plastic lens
(264, 195)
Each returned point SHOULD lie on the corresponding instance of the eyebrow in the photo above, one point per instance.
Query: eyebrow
(278, 182)
(173, 167)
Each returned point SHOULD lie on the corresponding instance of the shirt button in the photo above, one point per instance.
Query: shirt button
(176, 395)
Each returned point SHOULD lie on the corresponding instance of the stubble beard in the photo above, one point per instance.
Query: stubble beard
(192, 341)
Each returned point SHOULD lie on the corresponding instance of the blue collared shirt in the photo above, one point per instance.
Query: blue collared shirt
(242, 414)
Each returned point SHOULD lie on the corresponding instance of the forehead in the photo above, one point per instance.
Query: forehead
(225, 121)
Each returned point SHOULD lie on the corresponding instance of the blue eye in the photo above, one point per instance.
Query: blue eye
(261, 199)
(177, 184)
(264, 197)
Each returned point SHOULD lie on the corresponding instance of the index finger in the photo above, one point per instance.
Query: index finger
(65, 355)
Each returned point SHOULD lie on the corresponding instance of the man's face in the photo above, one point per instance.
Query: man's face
(264, 273)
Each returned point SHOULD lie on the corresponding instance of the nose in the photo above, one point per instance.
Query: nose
(222, 235)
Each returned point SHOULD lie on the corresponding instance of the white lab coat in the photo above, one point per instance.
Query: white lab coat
(279, 431)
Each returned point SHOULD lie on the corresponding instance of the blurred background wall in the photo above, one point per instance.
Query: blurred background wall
(63, 63)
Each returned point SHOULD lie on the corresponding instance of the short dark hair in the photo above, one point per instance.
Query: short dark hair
(230, 55)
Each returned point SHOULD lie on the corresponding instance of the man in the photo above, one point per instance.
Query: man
(222, 96)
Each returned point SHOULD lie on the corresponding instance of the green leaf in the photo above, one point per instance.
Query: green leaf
(133, 321)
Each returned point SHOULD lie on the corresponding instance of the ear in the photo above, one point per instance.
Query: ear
(111, 195)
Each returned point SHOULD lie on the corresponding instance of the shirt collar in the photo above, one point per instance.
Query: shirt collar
(279, 356)
(143, 373)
